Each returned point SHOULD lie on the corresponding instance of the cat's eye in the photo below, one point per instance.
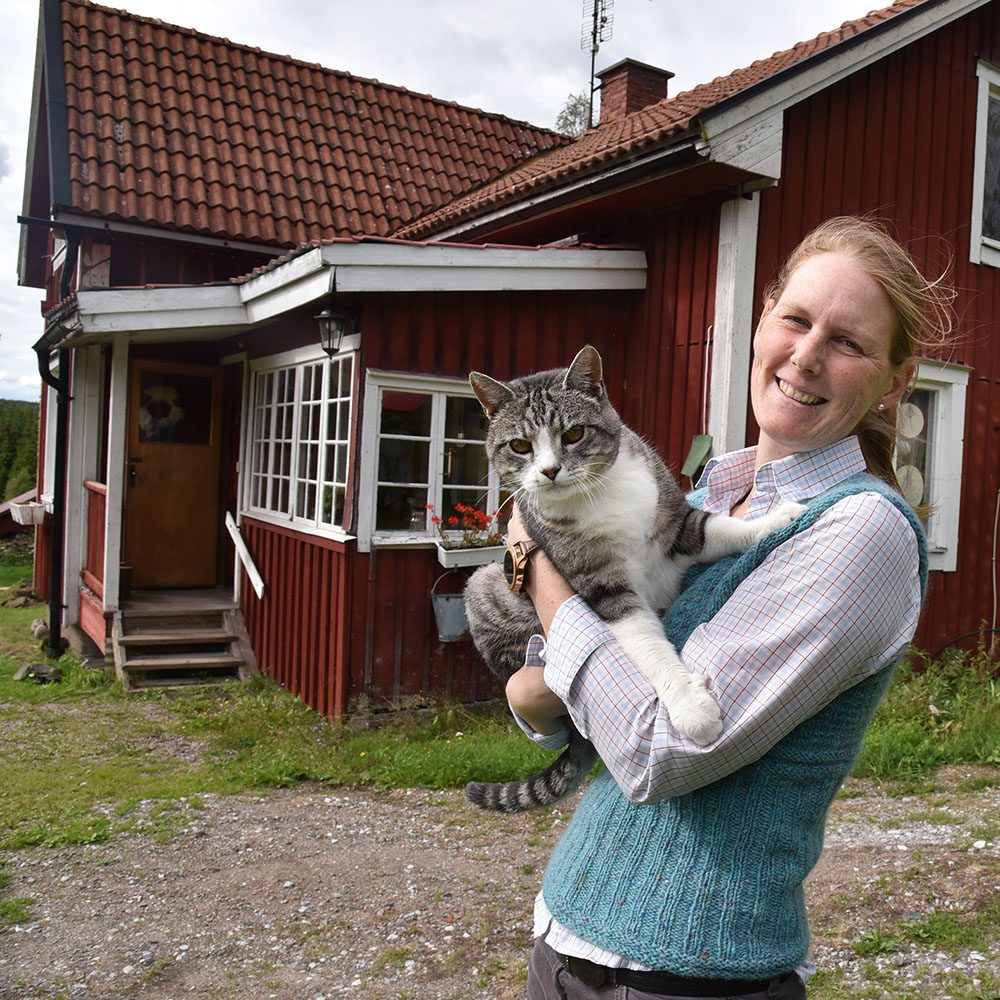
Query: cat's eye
(572, 434)
(519, 446)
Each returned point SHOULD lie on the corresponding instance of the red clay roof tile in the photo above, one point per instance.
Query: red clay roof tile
(614, 141)
(164, 121)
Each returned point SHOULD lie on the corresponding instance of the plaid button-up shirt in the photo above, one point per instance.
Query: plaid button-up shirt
(831, 605)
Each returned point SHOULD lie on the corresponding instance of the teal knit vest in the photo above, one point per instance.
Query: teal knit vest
(710, 883)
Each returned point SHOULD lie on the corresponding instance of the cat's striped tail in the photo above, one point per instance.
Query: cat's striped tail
(557, 781)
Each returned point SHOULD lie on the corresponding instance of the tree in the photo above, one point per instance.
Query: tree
(573, 119)
(18, 447)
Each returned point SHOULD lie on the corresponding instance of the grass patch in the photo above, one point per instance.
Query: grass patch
(84, 762)
(13, 574)
(936, 712)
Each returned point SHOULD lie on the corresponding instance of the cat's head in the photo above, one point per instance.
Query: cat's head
(553, 434)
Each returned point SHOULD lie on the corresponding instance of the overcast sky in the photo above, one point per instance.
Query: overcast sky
(520, 58)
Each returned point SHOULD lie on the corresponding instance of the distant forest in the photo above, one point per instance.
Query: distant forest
(18, 447)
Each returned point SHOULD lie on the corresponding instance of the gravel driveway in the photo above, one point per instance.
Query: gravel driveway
(309, 893)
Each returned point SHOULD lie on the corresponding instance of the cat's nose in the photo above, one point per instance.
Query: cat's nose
(551, 472)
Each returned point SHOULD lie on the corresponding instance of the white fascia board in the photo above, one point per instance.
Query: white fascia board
(139, 310)
(747, 134)
(389, 267)
(307, 288)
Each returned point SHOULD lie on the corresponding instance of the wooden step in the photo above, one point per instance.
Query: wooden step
(175, 637)
(184, 661)
(172, 647)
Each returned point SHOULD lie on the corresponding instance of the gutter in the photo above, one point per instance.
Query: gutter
(43, 350)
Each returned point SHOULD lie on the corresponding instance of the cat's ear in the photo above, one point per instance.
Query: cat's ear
(491, 393)
(586, 373)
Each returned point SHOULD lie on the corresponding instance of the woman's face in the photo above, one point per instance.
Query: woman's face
(821, 357)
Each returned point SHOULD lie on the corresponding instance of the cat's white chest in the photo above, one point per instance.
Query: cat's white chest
(626, 517)
(626, 507)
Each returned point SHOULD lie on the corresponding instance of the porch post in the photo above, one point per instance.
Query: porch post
(115, 473)
(737, 262)
(81, 464)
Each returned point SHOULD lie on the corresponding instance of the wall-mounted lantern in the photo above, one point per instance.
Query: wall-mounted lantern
(335, 323)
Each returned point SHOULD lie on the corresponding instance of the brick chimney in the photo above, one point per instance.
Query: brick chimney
(629, 86)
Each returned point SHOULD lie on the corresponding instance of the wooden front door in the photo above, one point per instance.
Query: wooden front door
(172, 475)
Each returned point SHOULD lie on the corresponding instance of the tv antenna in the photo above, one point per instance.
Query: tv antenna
(598, 23)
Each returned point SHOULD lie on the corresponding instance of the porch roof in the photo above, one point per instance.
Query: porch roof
(317, 271)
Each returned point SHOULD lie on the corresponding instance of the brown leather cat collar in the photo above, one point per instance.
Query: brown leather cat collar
(515, 564)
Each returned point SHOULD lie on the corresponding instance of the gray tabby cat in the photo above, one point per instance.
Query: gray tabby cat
(611, 518)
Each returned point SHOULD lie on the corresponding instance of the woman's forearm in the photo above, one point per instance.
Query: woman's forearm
(530, 697)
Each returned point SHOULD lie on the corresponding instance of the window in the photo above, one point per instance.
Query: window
(985, 230)
(424, 444)
(299, 440)
(930, 435)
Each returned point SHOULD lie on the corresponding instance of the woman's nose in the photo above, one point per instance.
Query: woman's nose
(808, 353)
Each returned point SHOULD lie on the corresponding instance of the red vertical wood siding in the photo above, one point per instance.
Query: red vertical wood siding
(664, 357)
(897, 140)
(298, 628)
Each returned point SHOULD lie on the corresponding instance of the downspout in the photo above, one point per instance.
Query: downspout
(61, 385)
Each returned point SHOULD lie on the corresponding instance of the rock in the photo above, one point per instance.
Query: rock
(40, 673)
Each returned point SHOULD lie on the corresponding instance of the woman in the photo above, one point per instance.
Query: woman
(681, 872)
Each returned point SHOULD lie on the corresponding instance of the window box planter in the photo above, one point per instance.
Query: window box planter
(31, 512)
(475, 556)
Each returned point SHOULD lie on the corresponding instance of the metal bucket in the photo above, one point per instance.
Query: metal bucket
(449, 613)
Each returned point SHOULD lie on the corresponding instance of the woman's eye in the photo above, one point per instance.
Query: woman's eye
(572, 434)
(519, 446)
(852, 345)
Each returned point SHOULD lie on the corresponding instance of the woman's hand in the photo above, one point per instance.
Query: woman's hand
(530, 697)
(544, 584)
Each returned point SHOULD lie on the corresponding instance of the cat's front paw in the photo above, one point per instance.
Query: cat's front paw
(696, 714)
(783, 514)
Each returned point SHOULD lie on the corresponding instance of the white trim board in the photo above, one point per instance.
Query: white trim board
(733, 326)
(200, 312)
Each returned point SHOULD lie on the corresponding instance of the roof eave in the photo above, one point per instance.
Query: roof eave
(681, 154)
(214, 312)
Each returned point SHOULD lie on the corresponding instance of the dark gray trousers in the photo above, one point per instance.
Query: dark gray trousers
(548, 980)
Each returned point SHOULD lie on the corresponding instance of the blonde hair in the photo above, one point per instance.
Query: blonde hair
(922, 307)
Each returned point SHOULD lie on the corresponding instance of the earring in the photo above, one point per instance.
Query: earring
(881, 407)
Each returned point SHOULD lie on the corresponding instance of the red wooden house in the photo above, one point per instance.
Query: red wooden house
(178, 180)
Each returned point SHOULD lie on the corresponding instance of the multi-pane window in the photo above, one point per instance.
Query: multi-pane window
(300, 436)
(427, 437)
(929, 437)
(984, 245)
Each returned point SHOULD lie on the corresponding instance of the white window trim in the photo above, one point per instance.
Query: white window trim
(982, 249)
(287, 359)
(948, 382)
(375, 382)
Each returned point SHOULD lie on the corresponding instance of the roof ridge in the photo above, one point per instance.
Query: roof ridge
(291, 60)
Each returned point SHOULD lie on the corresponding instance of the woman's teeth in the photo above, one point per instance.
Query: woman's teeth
(799, 397)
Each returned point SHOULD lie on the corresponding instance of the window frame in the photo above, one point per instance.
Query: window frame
(948, 383)
(439, 388)
(983, 249)
(297, 361)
